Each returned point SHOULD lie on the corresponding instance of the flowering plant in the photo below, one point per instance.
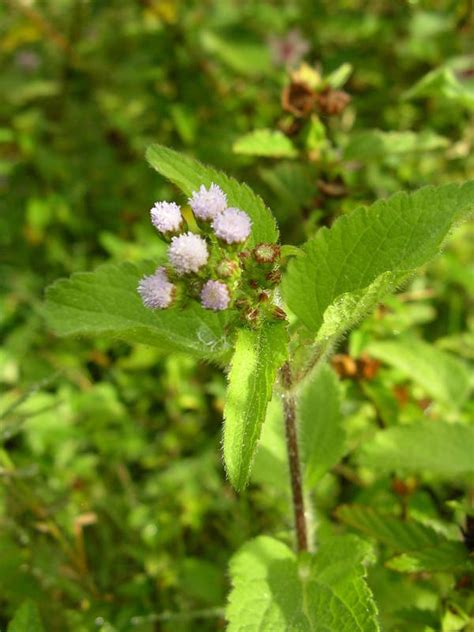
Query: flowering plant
(271, 314)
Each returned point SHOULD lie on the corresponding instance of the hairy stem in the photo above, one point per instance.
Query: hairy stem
(289, 409)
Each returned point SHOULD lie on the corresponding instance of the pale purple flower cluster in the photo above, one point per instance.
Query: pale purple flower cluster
(232, 226)
(156, 290)
(215, 295)
(166, 217)
(189, 253)
(208, 203)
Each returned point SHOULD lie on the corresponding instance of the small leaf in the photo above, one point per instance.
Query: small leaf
(26, 619)
(442, 449)
(337, 78)
(258, 355)
(106, 303)
(265, 142)
(443, 83)
(188, 174)
(446, 557)
(321, 433)
(398, 534)
(347, 269)
(273, 591)
(374, 145)
(443, 376)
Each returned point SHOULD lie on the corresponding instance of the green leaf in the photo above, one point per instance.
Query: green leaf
(337, 78)
(188, 174)
(398, 534)
(321, 433)
(265, 142)
(26, 619)
(274, 591)
(443, 83)
(106, 303)
(376, 144)
(347, 269)
(446, 557)
(443, 376)
(271, 460)
(443, 449)
(257, 357)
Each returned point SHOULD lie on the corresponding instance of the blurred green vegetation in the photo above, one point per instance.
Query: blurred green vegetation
(114, 510)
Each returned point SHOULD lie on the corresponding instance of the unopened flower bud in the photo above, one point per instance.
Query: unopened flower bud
(208, 203)
(215, 295)
(188, 253)
(227, 268)
(274, 276)
(279, 313)
(166, 217)
(266, 253)
(232, 226)
(156, 290)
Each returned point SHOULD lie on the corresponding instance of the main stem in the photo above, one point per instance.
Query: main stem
(289, 409)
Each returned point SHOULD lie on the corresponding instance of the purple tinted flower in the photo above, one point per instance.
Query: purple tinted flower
(215, 295)
(232, 226)
(289, 49)
(166, 217)
(27, 60)
(188, 253)
(207, 203)
(156, 290)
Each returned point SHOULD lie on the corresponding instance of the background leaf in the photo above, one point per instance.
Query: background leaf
(106, 303)
(442, 375)
(258, 355)
(446, 557)
(398, 534)
(265, 142)
(273, 590)
(442, 449)
(188, 174)
(321, 433)
(26, 619)
(369, 252)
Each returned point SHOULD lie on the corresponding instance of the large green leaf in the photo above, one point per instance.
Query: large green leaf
(442, 449)
(258, 355)
(442, 375)
(346, 270)
(26, 619)
(265, 142)
(188, 174)
(321, 433)
(106, 303)
(274, 591)
(400, 535)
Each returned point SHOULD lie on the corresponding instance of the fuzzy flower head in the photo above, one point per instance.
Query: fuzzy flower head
(208, 203)
(215, 295)
(188, 253)
(166, 217)
(232, 226)
(156, 290)
(289, 49)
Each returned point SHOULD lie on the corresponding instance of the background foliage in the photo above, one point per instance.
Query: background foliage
(115, 513)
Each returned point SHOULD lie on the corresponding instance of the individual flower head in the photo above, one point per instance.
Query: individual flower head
(232, 226)
(208, 203)
(188, 253)
(156, 290)
(166, 217)
(215, 295)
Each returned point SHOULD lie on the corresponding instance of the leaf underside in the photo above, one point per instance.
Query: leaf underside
(257, 357)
